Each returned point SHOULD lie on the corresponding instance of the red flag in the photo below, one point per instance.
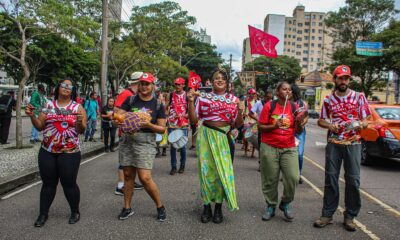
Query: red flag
(194, 80)
(262, 43)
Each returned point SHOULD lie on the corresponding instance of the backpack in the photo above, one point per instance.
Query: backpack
(273, 106)
(4, 107)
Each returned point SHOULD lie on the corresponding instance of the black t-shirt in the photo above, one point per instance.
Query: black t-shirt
(4, 100)
(149, 106)
(104, 111)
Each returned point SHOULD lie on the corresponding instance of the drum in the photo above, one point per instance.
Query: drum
(177, 138)
(180, 143)
(159, 138)
(251, 135)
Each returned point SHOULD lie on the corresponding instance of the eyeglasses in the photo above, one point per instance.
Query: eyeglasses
(66, 86)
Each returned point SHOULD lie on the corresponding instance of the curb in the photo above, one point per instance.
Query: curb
(10, 183)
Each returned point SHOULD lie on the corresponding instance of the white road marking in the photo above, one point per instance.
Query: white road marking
(369, 196)
(358, 223)
(39, 182)
(320, 144)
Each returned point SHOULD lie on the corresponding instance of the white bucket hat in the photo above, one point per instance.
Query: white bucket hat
(134, 77)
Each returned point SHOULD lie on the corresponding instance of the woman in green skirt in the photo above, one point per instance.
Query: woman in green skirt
(218, 111)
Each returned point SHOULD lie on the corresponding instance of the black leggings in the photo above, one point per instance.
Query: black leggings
(55, 166)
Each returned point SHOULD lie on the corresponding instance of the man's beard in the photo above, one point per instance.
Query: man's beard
(342, 88)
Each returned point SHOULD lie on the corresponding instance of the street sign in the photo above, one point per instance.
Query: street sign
(373, 49)
(248, 79)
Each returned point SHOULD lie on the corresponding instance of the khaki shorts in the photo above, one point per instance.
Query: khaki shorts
(138, 150)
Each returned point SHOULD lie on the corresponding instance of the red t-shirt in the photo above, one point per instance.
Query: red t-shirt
(282, 137)
(122, 97)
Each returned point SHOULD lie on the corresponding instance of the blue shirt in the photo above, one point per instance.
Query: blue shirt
(257, 108)
(91, 108)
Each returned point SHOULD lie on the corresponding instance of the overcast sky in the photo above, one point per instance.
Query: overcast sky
(226, 20)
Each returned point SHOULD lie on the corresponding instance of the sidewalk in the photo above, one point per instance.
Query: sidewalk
(19, 166)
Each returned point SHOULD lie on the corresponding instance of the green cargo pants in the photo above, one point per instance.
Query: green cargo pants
(274, 160)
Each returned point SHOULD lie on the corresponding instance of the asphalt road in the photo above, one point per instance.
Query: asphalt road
(180, 195)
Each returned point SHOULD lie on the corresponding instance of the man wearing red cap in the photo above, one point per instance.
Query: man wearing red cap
(178, 119)
(343, 113)
(137, 151)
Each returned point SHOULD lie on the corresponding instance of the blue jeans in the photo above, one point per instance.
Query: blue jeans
(90, 128)
(173, 151)
(34, 134)
(302, 138)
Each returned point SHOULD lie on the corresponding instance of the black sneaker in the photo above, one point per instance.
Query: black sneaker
(138, 186)
(106, 149)
(161, 214)
(119, 191)
(125, 213)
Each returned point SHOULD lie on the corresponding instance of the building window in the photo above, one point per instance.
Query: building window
(299, 24)
(298, 46)
(298, 53)
(290, 29)
(293, 43)
(285, 35)
(312, 59)
(294, 22)
(320, 31)
(293, 36)
(313, 24)
(313, 16)
(307, 16)
(312, 37)
(306, 37)
(293, 51)
(313, 30)
(312, 44)
(319, 45)
(305, 59)
(321, 17)
(290, 22)
(305, 44)
(318, 59)
(299, 32)
(307, 23)
(320, 24)
(320, 38)
(306, 30)
(305, 51)
(298, 39)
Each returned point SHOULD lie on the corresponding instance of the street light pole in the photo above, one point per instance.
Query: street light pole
(104, 50)
(195, 56)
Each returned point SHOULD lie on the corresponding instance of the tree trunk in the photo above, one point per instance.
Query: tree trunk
(21, 86)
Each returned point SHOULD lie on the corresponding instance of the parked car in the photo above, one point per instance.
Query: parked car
(382, 137)
(313, 114)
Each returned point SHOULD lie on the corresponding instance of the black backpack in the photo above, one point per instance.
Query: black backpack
(273, 106)
(4, 107)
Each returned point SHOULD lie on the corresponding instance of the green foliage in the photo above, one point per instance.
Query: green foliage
(203, 64)
(391, 43)
(360, 20)
(283, 68)
(329, 86)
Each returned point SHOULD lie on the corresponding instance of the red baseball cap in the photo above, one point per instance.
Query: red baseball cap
(179, 81)
(147, 77)
(342, 70)
(252, 91)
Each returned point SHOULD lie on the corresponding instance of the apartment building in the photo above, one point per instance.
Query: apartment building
(307, 39)
(246, 52)
(274, 24)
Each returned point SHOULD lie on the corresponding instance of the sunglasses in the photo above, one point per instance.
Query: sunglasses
(66, 86)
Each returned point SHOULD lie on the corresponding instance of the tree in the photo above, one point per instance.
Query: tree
(203, 58)
(391, 43)
(153, 34)
(360, 20)
(35, 18)
(283, 68)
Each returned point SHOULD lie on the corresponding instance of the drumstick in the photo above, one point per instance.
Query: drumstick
(284, 106)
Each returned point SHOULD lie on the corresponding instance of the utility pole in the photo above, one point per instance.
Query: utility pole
(230, 66)
(104, 53)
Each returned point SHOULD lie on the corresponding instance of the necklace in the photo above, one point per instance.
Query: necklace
(214, 97)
